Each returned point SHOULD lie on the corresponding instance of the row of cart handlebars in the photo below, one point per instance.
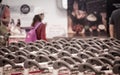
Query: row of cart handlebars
(90, 56)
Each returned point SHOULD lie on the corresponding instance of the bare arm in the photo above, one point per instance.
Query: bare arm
(80, 14)
(70, 25)
(111, 30)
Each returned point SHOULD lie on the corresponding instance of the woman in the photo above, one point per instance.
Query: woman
(38, 30)
(77, 18)
(41, 30)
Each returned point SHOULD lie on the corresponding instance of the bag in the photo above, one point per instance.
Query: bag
(31, 35)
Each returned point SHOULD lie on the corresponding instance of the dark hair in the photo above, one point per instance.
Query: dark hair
(82, 5)
(41, 13)
(76, 1)
(0, 1)
(36, 19)
(18, 23)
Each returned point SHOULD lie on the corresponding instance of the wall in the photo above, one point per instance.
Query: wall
(55, 17)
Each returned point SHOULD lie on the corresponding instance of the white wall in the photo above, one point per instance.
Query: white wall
(56, 18)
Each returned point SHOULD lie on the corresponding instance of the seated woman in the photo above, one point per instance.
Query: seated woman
(95, 22)
(77, 18)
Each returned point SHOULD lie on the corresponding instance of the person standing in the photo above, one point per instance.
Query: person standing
(4, 21)
(38, 29)
(114, 25)
(4, 18)
(41, 30)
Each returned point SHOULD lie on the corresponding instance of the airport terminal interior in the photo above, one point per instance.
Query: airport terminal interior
(75, 39)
